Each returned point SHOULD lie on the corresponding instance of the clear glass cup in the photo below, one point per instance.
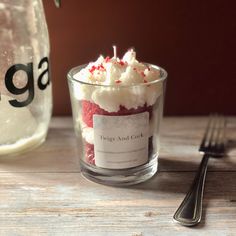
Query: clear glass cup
(117, 148)
(25, 86)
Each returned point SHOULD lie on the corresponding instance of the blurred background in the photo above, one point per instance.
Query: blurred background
(193, 40)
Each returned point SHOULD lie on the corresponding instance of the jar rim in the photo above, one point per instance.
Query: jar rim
(74, 70)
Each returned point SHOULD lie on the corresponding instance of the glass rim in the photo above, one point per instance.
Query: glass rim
(71, 73)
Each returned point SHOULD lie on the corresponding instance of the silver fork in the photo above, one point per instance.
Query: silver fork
(213, 145)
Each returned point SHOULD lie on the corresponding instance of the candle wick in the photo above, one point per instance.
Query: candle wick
(115, 51)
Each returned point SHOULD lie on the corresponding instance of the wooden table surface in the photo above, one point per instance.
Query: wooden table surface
(43, 193)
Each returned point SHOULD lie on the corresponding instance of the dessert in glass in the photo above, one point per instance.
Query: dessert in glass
(117, 107)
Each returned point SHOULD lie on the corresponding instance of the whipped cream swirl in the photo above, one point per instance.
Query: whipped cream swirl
(121, 82)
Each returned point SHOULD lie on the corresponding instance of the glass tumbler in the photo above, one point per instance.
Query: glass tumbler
(121, 147)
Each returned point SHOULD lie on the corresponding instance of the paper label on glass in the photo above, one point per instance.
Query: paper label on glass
(121, 141)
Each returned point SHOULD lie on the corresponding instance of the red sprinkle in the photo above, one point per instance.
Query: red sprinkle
(101, 67)
(121, 63)
(142, 73)
(144, 81)
(134, 68)
(92, 69)
(107, 59)
(118, 81)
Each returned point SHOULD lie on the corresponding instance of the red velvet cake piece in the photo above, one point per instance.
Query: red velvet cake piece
(89, 109)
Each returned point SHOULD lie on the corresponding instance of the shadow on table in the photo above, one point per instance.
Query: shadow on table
(179, 182)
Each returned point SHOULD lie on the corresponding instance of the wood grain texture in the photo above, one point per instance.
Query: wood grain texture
(43, 193)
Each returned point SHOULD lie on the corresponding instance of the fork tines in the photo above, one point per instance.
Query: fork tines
(213, 142)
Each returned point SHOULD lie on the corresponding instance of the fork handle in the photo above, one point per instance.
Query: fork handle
(190, 211)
